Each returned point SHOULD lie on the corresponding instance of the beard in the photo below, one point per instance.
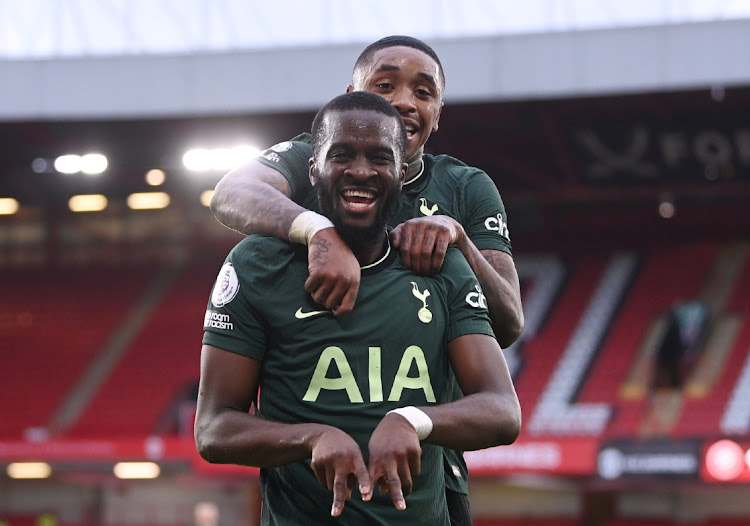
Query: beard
(358, 236)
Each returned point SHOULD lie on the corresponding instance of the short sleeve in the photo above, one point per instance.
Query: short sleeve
(292, 159)
(485, 219)
(231, 321)
(467, 306)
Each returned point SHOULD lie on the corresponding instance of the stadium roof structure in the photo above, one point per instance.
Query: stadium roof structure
(37, 29)
(574, 104)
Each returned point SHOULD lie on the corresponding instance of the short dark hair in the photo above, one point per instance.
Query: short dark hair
(394, 41)
(358, 100)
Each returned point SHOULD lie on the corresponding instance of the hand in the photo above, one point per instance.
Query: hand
(395, 457)
(423, 241)
(337, 463)
(334, 272)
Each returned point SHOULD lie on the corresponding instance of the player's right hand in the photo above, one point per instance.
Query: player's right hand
(334, 272)
(338, 464)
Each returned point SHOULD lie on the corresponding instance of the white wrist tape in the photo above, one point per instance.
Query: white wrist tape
(417, 418)
(306, 225)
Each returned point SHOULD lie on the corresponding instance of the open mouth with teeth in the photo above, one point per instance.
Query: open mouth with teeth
(359, 199)
(411, 129)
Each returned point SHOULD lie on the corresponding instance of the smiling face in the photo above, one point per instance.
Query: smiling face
(358, 173)
(411, 81)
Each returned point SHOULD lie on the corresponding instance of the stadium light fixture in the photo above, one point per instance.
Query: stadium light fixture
(87, 203)
(148, 200)
(667, 208)
(39, 165)
(68, 164)
(136, 470)
(89, 164)
(29, 470)
(217, 159)
(93, 163)
(8, 206)
(206, 197)
(155, 177)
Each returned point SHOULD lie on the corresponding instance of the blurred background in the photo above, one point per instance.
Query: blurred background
(618, 135)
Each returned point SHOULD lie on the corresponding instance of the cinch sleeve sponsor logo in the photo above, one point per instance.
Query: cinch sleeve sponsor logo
(476, 298)
(217, 320)
(497, 224)
(227, 286)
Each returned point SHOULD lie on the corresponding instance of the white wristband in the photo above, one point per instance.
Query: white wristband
(417, 418)
(306, 225)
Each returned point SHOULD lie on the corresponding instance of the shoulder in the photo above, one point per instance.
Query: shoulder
(302, 138)
(455, 263)
(454, 170)
(298, 145)
(257, 255)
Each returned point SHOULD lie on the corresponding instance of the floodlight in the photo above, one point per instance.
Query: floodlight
(148, 200)
(29, 470)
(87, 203)
(136, 470)
(8, 206)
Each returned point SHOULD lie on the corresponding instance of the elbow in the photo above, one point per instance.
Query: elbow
(510, 331)
(512, 429)
(207, 444)
(509, 422)
(204, 447)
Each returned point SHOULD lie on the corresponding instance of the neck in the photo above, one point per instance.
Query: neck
(372, 251)
(415, 165)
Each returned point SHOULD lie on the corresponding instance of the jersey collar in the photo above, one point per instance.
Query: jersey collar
(382, 263)
(416, 177)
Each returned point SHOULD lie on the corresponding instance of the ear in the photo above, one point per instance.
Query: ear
(312, 173)
(437, 120)
(349, 88)
(404, 168)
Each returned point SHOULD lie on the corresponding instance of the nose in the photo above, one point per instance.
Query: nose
(403, 100)
(360, 168)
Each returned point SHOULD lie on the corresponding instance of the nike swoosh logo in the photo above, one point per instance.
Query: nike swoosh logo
(302, 315)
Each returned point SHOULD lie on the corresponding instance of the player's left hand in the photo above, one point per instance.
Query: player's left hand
(394, 458)
(423, 241)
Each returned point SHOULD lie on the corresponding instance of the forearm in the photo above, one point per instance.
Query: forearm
(499, 281)
(474, 422)
(234, 437)
(253, 203)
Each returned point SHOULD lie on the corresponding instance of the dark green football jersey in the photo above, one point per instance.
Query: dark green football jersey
(445, 186)
(346, 371)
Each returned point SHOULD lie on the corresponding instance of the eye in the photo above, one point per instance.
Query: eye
(423, 93)
(385, 86)
(382, 159)
(338, 156)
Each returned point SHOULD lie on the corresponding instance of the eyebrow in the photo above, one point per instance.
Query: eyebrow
(379, 148)
(389, 67)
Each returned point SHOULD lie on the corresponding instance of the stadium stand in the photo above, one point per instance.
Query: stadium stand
(55, 321)
(160, 368)
(127, 399)
(624, 371)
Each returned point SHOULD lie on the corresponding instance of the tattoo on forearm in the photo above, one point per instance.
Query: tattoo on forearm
(272, 214)
(318, 253)
(492, 258)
